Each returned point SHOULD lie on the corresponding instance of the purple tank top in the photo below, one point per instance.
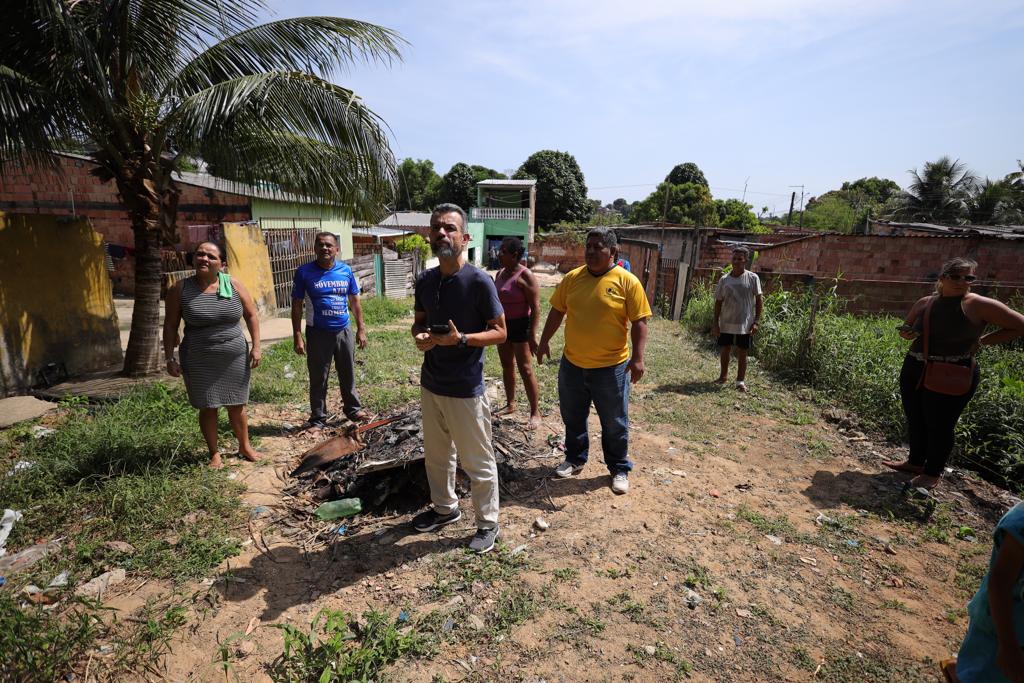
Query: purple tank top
(512, 296)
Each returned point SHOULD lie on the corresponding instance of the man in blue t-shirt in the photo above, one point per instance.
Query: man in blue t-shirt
(457, 315)
(332, 290)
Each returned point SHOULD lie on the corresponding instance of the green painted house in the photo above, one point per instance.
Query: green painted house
(504, 208)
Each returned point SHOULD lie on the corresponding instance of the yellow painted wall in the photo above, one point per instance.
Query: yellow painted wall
(333, 219)
(56, 304)
(249, 261)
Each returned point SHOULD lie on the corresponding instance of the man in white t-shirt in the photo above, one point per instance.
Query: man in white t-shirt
(738, 306)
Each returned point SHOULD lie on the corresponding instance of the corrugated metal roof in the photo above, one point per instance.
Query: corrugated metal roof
(406, 219)
(379, 231)
(1012, 232)
(498, 182)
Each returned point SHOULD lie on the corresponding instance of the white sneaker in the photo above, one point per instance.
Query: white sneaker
(620, 483)
(567, 469)
(741, 386)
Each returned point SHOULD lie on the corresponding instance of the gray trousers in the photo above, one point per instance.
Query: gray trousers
(323, 346)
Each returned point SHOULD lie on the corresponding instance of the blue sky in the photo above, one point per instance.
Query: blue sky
(785, 92)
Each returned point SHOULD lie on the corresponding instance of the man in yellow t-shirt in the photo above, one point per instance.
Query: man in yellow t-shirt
(605, 304)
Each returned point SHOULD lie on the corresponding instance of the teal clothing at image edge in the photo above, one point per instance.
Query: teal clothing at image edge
(328, 290)
(976, 662)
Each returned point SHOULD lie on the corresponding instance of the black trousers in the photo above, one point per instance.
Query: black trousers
(931, 417)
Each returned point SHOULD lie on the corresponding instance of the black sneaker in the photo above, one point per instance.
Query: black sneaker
(311, 423)
(483, 540)
(431, 520)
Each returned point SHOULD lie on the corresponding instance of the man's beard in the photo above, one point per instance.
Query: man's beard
(444, 250)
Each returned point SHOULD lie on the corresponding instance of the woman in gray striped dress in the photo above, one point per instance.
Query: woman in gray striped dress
(215, 358)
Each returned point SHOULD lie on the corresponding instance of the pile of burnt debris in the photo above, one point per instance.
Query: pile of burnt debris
(381, 463)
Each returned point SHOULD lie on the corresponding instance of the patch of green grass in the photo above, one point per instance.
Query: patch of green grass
(614, 573)
(662, 653)
(968, 574)
(514, 606)
(777, 526)
(380, 310)
(897, 606)
(626, 605)
(955, 614)
(281, 376)
(802, 659)
(456, 570)
(566, 574)
(860, 667)
(149, 639)
(939, 525)
(133, 470)
(338, 648)
(39, 645)
(841, 598)
(698, 576)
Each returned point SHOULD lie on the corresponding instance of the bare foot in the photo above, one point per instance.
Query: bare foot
(250, 455)
(360, 416)
(721, 380)
(534, 422)
(507, 409)
(925, 481)
(903, 466)
(215, 462)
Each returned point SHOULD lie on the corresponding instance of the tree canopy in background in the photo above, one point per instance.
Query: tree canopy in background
(938, 193)
(561, 189)
(735, 214)
(685, 204)
(458, 186)
(686, 173)
(418, 185)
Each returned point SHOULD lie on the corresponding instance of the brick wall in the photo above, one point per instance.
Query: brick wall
(76, 192)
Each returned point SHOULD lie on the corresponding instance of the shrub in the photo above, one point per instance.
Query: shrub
(413, 244)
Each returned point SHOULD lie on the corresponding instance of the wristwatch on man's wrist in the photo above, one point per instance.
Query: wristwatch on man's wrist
(462, 340)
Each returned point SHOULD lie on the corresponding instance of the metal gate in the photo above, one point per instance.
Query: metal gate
(290, 243)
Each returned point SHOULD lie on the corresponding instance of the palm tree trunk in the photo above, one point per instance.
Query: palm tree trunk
(142, 356)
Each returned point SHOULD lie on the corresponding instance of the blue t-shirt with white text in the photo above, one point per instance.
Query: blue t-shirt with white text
(328, 291)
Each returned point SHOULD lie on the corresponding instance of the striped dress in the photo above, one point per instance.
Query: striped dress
(214, 353)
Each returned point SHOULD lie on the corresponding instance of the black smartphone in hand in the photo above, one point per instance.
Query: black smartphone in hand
(440, 329)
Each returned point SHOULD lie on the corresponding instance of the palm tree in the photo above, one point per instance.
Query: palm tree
(993, 204)
(939, 193)
(147, 85)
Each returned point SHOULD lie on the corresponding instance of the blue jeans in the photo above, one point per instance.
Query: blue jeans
(608, 389)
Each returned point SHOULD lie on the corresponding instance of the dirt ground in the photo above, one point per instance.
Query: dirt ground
(806, 561)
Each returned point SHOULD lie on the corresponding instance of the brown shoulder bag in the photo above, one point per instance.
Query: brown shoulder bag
(950, 379)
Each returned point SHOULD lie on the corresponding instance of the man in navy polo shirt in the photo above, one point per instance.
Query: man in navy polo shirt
(457, 315)
(333, 290)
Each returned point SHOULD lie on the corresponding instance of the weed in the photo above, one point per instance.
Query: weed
(939, 525)
(840, 598)
(968, 574)
(628, 606)
(613, 573)
(896, 605)
(698, 576)
(662, 653)
(779, 526)
(37, 645)
(457, 570)
(566, 574)
(955, 614)
(380, 310)
(514, 607)
(860, 667)
(338, 648)
(802, 659)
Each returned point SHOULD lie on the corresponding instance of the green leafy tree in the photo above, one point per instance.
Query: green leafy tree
(561, 188)
(994, 203)
(145, 85)
(622, 206)
(418, 185)
(939, 193)
(874, 190)
(732, 213)
(686, 173)
(459, 186)
(484, 173)
(687, 204)
(830, 213)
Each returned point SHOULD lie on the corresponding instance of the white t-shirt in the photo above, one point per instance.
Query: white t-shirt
(738, 295)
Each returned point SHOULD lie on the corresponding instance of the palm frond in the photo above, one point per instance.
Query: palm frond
(28, 124)
(320, 44)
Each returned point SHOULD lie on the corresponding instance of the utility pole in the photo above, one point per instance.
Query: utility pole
(744, 200)
(664, 214)
(801, 204)
(792, 199)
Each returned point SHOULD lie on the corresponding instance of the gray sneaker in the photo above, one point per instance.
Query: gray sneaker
(483, 540)
(567, 469)
(620, 483)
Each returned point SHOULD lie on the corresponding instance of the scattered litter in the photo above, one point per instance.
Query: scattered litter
(403, 617)
(774, 539)
(449, 624)
(518, 549)
(59, 581)
(26, 558)
(289, 373)
(678, 473)
(965, 533)
(541, 524)
(809, 560)
(822, 518)
(257, 510)
(341, 530)
(693, 599)
(673, 449)
(889, 549)
(555, 441)
(852, 543)
(744, 613)
(253, 623)
(102, 583)
(650, 650)
(736, 638)
(336, 509)
(714, 493)
(40, 432)
(233, 475)
(3, 580)
(744, 487)
(120, 547)
(20, 466)
(6, 524)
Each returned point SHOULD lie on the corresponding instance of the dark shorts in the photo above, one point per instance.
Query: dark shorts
(740, 340)
(518, 330)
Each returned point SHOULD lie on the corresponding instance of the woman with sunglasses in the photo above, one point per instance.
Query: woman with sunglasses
(215, 358)
(519, 293)
(955, 320)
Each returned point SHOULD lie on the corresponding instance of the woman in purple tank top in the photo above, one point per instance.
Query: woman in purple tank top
(519, 294)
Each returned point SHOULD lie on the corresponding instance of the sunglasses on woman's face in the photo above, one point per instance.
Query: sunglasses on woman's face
(956, 277)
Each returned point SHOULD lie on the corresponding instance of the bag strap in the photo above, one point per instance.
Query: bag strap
(927, 329)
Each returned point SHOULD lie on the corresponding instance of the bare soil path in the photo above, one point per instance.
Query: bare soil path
(758, 542)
